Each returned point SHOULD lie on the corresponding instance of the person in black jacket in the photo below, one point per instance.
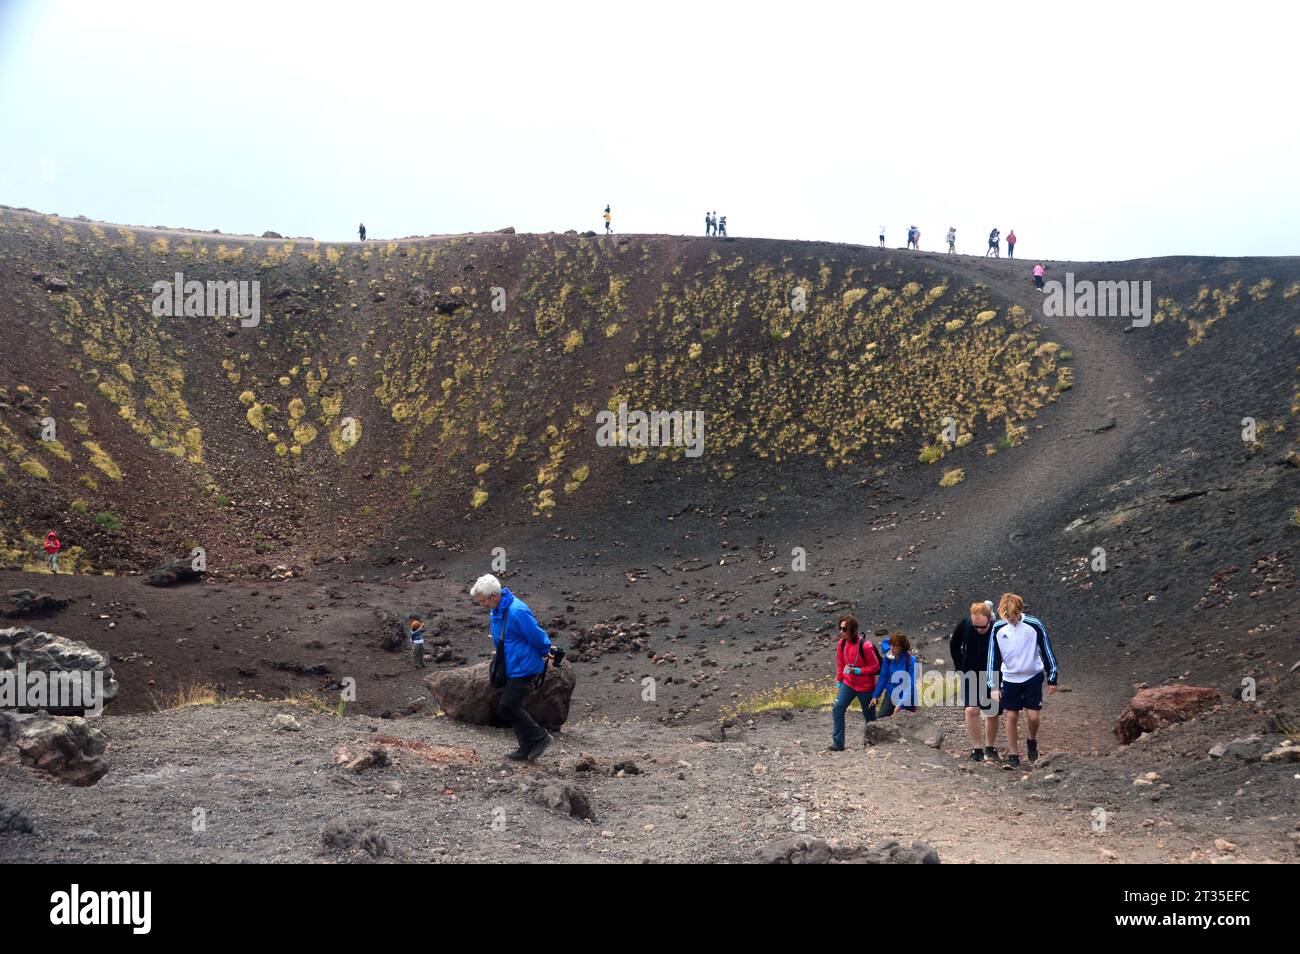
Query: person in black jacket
(969, 647)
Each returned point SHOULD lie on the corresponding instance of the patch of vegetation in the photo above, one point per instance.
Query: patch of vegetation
(34, 468)
(108, 521)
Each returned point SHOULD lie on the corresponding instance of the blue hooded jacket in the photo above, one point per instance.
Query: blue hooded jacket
(527, 644)
(897, 676)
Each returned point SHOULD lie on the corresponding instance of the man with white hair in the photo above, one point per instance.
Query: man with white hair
(525, 647)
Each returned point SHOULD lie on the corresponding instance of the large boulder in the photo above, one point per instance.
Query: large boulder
(38, 651)
(904, 726)
(465, 694)
(1160, 706)
(66, 748)
(22, 604)
(174, 571)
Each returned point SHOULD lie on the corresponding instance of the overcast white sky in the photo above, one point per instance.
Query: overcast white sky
(1096, 130)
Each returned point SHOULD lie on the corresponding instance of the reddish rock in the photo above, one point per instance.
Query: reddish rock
(1163, 705)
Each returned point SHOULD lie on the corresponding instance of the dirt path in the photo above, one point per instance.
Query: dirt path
(265, 794)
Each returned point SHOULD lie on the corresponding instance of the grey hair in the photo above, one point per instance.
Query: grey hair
(486, 585)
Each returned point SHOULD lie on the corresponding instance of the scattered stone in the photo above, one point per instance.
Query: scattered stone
(286, 723)
(1288, 751)
(52, 283)
(448, 304)
(375, 756)
(14, 822)
(566, 798)
(815, 851)
(354, 835)
(1249, 749)
(592, 643)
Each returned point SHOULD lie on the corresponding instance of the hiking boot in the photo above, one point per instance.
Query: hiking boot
(834, 748)
(539, 747)
(977, 755)
(518, 755)
(1031, 745)
(991, 754)
(1013, 761)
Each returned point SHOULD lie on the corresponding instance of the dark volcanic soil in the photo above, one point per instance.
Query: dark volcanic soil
(1141, 457)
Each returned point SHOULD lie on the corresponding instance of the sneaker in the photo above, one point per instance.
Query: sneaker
(991, 754)
(1032, 746)
(539, 747)
(518, 755)
(977, 755)
(1013, 761)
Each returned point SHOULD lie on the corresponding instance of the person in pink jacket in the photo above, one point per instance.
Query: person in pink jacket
(1038, 277)
(856, 666)
(52, 548)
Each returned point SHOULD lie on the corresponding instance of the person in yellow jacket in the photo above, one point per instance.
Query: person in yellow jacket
(609, 230)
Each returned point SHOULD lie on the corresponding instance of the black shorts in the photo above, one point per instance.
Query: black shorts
(974, 685)
(1023, 695)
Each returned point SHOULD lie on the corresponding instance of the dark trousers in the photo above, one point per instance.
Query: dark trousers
(1011, 250)
(887, 707)
(843, 699)
(511, 707)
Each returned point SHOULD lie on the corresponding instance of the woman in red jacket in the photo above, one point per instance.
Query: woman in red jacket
(856, 666)
(52, 548)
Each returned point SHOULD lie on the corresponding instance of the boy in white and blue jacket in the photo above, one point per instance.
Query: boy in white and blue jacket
(1020, 660)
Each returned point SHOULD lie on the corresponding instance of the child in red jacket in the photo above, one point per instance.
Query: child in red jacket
(856, 666)
(52, 548)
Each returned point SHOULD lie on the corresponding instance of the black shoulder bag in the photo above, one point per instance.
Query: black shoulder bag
(497, 668)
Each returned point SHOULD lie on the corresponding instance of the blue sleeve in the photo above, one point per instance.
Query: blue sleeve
(994, 658)
(1049, 657)
(533, 634)
(882, 679)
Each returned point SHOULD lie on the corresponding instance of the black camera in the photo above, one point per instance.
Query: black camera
(557, 655)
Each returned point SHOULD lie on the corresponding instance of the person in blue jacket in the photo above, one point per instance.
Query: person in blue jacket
(526, 648)
(897, 680)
